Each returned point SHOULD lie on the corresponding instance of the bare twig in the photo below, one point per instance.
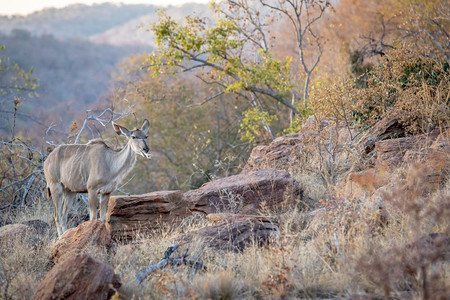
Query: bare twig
(166, 260)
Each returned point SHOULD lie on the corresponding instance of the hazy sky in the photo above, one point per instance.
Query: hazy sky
(23, 7)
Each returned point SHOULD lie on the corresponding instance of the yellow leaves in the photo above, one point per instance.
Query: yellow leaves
(253, 123)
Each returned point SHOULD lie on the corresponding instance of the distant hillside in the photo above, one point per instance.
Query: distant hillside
(134, 31)
(75, 21)
(73, 75)
(73, 51)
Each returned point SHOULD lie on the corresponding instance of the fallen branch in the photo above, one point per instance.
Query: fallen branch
(166, 260)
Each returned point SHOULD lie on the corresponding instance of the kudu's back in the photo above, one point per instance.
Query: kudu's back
(76, 166)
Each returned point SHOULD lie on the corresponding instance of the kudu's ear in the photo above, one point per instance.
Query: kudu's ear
(145, 127)
(120, 130)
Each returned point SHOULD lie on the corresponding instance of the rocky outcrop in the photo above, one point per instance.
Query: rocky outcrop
(245, 193)
(236, 233)
(79, 277)
(391, 153)
(385, 129)
(128, 215)
(277, 155)
(91, 236)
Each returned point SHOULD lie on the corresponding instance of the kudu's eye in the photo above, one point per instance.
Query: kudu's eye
(133, 137)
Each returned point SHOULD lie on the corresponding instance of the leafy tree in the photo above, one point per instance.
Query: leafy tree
(192, 142)
(237, 53)
(16, 83)
(225, 58)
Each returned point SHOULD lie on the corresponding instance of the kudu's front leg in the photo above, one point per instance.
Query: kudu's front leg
(56, 191)
(93, 204)
(69, 199)
(104, 199)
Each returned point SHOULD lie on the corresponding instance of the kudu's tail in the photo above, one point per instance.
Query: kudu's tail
(49, 194)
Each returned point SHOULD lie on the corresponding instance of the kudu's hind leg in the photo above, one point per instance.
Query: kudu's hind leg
(93, 204)
(104, 199)
(69, 199)
(57, 192)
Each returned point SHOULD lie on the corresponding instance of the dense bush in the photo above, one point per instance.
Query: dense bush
(406, 84)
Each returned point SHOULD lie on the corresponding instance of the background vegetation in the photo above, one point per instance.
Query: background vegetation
(213, 88)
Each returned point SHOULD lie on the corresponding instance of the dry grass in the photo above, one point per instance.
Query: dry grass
(349, 248)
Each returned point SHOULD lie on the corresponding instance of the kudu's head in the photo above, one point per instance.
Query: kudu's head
(137, 138)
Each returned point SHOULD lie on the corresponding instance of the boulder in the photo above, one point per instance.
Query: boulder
(220, 217)
(276, 155)
(359, 185)
(91, 236)
(79, 277)
(235, 234)
(128, 215)
(245, 193)
(40, 227)
(390, 153)
(385, 129)
(11, 233)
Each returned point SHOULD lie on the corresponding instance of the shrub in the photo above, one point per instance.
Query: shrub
(407, 85)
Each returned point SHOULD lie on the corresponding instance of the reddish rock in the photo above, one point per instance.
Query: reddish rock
(128, 215)
(391, 152)
(235, 234)
(276, 155)
(360, 185)
(385, 129)
(91, 236)
(79, 277)
(244, 193)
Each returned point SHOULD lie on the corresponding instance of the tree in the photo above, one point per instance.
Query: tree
(238, 51)
(16, 83)
(302, 16)
(191, 141)
(224, 57)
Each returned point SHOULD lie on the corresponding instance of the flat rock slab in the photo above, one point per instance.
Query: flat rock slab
(235, 234)
(79, 277)
(244, 193)
(129, 215)
(391, 152)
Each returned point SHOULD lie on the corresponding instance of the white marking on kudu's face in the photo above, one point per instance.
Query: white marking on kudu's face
(137, 139)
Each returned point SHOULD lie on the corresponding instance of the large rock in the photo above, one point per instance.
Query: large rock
(245, 193)
(128, 215)
(277, 155)
(39, 227)
(391, 152)
(362, 184)
(236, 233)
(91, 236)
(385, 129)
(79, 277)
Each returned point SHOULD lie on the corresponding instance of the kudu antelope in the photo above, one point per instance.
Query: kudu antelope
(93, 168)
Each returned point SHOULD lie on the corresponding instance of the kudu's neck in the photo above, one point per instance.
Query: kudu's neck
(124, 160)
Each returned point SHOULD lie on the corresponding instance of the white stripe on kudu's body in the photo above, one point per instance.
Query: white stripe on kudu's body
(93, 168)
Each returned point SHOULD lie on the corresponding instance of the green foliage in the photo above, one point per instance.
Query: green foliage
(218, 50)
(304, 112)
(191, 143)
(16, 80)
(406, 85)
(253, 123)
